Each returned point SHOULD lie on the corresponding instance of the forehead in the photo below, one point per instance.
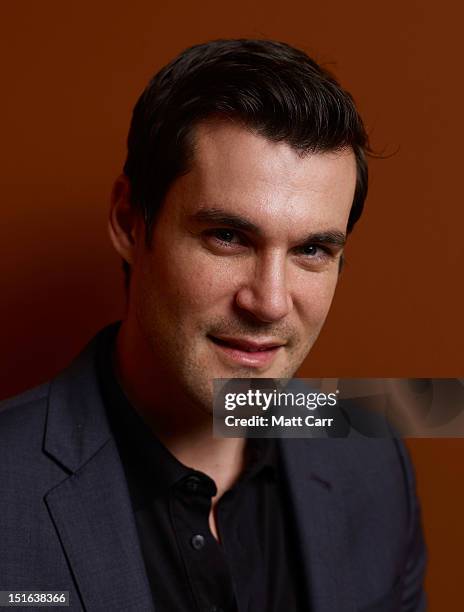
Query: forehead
(269, 183)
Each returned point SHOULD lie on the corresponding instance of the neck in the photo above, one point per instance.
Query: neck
(183, 427)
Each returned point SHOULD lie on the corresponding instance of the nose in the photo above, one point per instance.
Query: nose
(265, 295)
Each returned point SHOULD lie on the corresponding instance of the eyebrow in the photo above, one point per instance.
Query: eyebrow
(332, 237)
(217, 215)
(223, 217)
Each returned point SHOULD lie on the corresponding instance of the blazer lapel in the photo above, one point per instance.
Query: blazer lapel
(92, 514)
(316, 490)
(91, 508)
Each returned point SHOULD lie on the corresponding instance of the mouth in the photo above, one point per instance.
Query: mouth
(251, 353)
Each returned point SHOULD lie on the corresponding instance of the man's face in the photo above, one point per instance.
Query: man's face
(244, 260)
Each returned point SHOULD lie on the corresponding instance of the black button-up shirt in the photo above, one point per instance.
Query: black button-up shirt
(254, 568)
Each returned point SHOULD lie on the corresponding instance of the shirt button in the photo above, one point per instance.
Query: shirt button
(197, 541)
(192, 483)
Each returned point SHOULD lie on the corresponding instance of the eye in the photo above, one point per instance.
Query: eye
(310, 249)
(224, 235)
(315, 255)
(225, 238)
(313, 251)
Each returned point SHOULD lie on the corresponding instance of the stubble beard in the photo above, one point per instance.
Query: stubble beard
(199, 387)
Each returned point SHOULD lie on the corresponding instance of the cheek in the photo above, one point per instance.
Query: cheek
(190, 283)
(314, 297)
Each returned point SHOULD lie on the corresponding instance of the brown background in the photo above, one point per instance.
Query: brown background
(70, 74)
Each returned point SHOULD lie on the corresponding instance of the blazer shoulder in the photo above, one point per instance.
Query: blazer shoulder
(29, 396)
(23, 414)
(15, 408)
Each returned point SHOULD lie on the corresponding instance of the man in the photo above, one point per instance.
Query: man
(245, 172)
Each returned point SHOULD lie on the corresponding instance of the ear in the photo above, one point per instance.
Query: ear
(123, 220)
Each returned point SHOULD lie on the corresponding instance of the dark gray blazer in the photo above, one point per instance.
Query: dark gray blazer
(66, 521)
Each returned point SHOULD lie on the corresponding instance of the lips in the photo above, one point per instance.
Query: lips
(246, 352)
(245, 345)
